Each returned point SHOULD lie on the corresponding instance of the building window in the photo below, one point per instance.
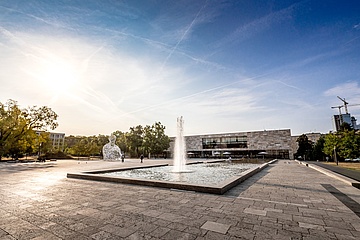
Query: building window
(234, 142)
(211, 143)
(225, 142)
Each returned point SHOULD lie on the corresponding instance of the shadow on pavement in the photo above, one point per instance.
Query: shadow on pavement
(18, 167)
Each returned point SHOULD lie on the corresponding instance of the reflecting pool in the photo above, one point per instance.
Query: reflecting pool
(202, 174)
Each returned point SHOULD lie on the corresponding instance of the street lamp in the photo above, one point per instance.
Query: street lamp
(335, 158)
(39, 151)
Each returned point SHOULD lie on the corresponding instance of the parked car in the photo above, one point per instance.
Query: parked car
(352, 160)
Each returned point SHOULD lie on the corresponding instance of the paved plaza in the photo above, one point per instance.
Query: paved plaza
(286, 200)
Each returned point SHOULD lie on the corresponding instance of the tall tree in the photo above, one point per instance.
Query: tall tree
(318, 153)
(134, 139)
(16, 123)
(121, 140)
(349, 146)
(331, 144)
(305, 147)
(155, 139)
(43, 144)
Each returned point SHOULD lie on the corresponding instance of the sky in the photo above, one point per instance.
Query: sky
(225, 66)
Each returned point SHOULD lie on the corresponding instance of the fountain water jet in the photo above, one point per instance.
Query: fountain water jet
(180, 148)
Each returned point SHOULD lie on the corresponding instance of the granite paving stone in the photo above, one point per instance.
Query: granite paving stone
(37, 201)
(160, 232)
(216, 227)
(255, 211)
(175, 234)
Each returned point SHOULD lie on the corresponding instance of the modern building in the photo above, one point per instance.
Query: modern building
(267, 143)
(338, 120)
(57, 140)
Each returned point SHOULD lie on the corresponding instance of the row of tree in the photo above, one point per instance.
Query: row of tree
(25, 132)
(148, 140)
(344, 144)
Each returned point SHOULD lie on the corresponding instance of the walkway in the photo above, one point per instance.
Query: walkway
(287, 200)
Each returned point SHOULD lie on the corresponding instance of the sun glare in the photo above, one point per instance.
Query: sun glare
(58, 77)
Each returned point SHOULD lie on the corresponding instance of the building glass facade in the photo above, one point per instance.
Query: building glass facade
(224, 142)
(257, 144)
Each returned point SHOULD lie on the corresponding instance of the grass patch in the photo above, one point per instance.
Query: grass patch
(349, 165)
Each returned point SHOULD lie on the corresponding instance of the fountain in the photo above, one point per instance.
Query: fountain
(111, 151)
(210, 176)
(180, 148)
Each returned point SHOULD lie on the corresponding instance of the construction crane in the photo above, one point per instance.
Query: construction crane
(340, 118)
(339, 107)
(346, 104)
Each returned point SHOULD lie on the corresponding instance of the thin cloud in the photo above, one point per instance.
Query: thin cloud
(10, 36)
(200, 94)
(288, 85)
(349, 89)
(246, 31)
(163, 46)
(56, 24)
(187, 30)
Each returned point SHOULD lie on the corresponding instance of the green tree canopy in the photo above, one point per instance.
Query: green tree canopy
(318, 153)
(345, 143)
(349, 144)
(155, 139)
(17, 124)
(121, 140)
(134, 140)
(305, 147)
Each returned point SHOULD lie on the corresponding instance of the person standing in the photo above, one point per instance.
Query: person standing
(141, 158)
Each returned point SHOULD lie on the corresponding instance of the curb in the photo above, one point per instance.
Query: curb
(332, 174)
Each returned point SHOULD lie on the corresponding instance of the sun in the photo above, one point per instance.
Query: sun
(58, 76)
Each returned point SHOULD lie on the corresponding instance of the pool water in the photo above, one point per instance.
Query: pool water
(200, 174)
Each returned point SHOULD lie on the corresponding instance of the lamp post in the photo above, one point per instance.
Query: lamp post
(39, 151)
(335, 158)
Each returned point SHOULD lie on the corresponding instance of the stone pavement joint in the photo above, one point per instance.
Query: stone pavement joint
(286, 200)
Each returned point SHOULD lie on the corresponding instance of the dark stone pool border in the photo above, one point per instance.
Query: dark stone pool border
(217, 189)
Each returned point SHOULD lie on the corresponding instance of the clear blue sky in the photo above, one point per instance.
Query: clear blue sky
(226, 66)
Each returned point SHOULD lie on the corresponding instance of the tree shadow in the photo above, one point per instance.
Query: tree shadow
(20, 167)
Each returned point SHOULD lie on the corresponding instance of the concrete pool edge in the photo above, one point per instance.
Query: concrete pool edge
(218, 189)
